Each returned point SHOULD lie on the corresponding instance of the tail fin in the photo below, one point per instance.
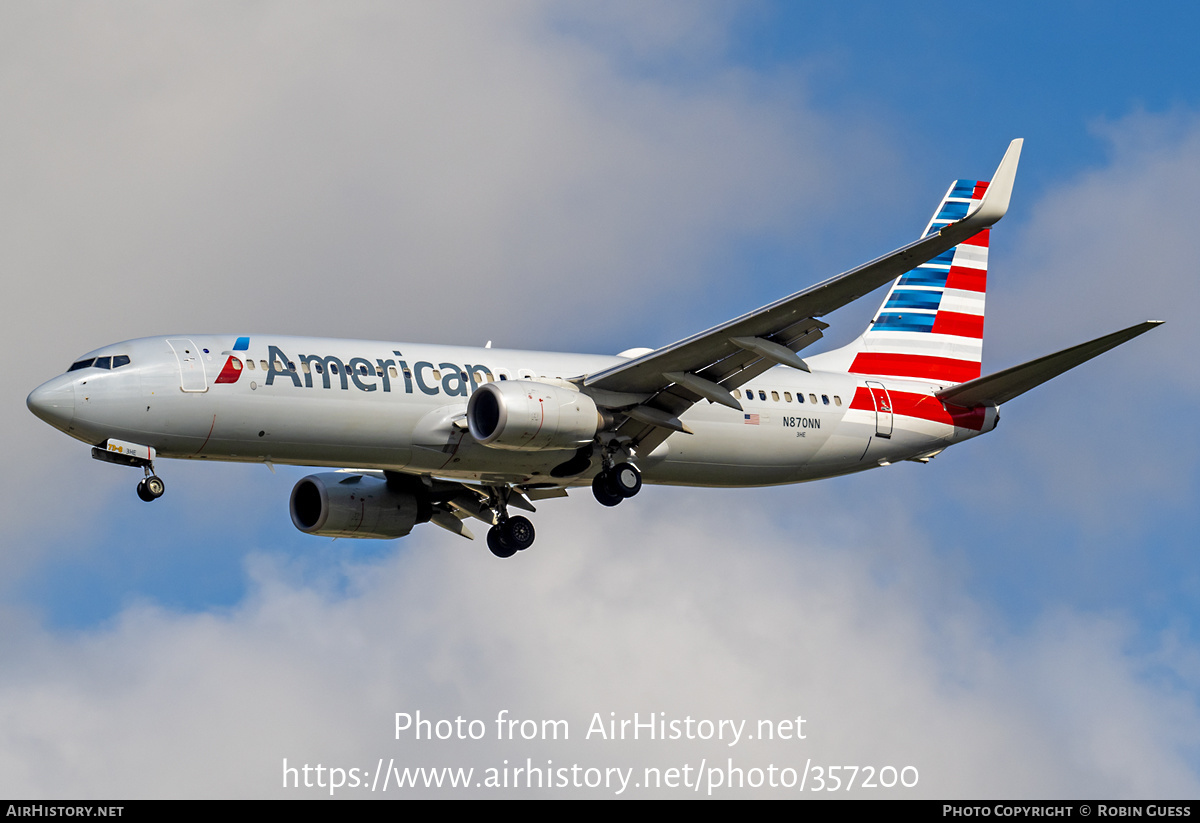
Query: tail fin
(930, 327)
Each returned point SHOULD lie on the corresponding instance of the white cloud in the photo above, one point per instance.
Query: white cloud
(669, 606)
(325, 165)
(1112, 247)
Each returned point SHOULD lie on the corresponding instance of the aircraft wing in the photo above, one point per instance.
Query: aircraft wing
(994, 389)
(654, 389)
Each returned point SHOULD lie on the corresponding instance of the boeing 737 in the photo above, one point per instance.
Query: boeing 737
(440, 434)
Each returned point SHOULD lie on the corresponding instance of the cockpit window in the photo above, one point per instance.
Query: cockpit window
(116, 361)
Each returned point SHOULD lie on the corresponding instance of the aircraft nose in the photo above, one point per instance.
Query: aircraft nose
(54, 402)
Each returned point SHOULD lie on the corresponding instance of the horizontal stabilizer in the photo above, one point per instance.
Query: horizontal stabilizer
(1003, 386)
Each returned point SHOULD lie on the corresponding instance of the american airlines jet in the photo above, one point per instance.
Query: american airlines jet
(438, 434)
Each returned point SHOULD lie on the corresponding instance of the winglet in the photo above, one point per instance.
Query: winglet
(995, 201)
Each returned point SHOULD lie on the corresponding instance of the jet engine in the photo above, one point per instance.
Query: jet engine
(526, 415)
(354, 505)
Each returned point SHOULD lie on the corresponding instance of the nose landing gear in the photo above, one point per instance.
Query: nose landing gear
(151, 487)
(123, 453)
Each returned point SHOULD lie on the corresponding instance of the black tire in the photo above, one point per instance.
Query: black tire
(142, 493)
(604, 490)
(518, 531)
(496, 542)
(154, 486)
(625, 479)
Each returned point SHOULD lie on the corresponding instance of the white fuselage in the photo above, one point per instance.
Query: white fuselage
(377, 405)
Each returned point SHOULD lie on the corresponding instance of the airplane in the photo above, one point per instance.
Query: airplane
(440, 434)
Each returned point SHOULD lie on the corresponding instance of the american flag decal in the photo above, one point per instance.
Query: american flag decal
(752, 420)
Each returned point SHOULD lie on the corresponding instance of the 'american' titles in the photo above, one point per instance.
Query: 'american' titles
(330, 372)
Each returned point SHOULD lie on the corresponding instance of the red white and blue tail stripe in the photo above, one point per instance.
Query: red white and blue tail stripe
(930, 327)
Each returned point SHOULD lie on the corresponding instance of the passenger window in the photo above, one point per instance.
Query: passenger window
(362, 369)
(762, 395)
(749, 394)
(264, 365)
(775, 396)
(437, 375)
(392, 372)
(787, 397)
(825, 399)
(250, 364)
(837, 400)
(812, 397)
(799, 397)
(306, 367)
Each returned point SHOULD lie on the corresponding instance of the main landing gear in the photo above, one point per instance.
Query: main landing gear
(613, 485)
(510, 535)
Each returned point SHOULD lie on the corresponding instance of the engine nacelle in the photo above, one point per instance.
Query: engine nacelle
(525, 415)
(354, 505)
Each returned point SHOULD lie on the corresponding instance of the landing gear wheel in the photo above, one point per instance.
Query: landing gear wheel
(605, 490)
(518, 531)
(154, 486)
(150, 488)
(625, 479)
(496, 542)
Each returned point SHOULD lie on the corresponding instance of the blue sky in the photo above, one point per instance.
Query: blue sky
(1017, 618)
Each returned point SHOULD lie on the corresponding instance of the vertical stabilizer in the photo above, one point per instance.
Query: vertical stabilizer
(930, 327)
